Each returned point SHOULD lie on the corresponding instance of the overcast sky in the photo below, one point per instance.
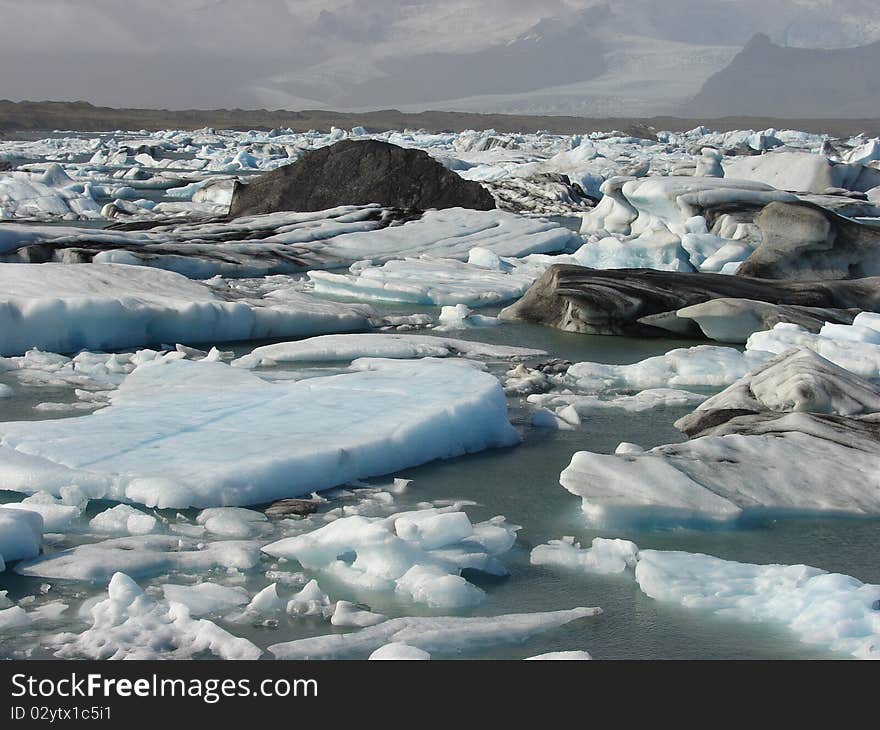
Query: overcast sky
(298, 53)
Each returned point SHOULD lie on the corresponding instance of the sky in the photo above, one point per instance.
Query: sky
(492, 55)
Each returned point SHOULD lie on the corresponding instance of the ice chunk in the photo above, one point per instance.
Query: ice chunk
(310, 601)
(561, 656)
(129, 624)
(231, 522)
(206, 598)
(347, 614)
(21, 534)
(854, 348)
(184, 433)
(825, 609)
(427, 281)
(13, 618)
(446, 635)
(56, 515)
(604, 556)
(123, 520)
(641, 401)
(461, 317)
(703, 365)
(399, 651)
(790, 465)
(140, 557)
(418, 554)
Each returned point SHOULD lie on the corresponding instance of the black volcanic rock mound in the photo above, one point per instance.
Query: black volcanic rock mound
(767, 79)
(358, 172)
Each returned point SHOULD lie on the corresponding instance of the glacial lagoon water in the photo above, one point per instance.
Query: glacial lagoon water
(521, 483)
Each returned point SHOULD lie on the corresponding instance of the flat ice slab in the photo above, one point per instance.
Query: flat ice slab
(65, 308)
(348, 347)
(201, 434)
(443, 634)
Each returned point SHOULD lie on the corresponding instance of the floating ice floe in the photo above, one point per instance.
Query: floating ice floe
(425, 281)
(129, 624)
(644, 400)
(142, 557)
(56, 513)
(65, 308)
(206, 598)
(441, 635)
(418, 554)
(556, 656)
(835, 611)
(791, 465)
(830, 610)
(797, 381)
(604, 556)
(348, 347)
(203, 434)
(802, 172)
(703, 365)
